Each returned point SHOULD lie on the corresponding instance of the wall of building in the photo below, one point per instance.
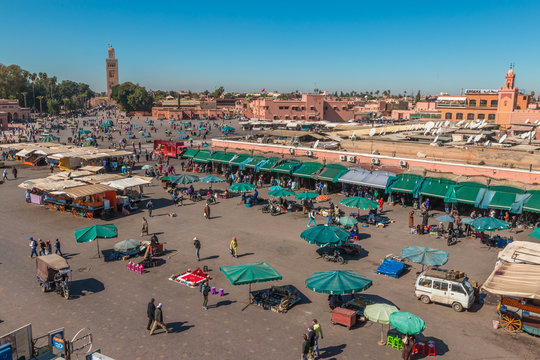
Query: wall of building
(13, 110)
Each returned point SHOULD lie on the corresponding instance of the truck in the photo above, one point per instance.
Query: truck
(169, 148)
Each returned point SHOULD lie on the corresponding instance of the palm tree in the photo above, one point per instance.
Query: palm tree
(24, 93)
(40, 103)
(33, 78)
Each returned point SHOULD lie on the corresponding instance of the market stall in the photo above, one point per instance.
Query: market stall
(279, 299)
(190, 278)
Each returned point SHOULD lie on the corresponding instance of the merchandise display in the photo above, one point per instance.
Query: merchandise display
(278, 298)
(190, 278)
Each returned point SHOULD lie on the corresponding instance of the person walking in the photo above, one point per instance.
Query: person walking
(205, 289)
(311, 339)
(305, 348)
(14, 172)
(4, 175)
(381, 203)
(197, 245)
(411, 219)
(144, 228)
(318, 334)
(41, 247)
(207, 211)
(233, 247)
(158, 320)
(48, 249)
(33, 246)
(150, 312)
(57, 247)
(150, 207)
(311, 218)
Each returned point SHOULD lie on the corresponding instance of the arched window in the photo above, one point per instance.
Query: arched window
(481, 116)
(494, 103)
(459, 116)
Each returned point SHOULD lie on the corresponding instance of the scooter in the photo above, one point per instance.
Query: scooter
(334, 257)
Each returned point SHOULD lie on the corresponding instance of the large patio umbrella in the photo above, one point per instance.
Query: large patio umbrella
(250, 274)
(48, 138)
(146, 167)
(326, 235)
(359, 202)
(306, 195)
(348, 221)
(467, 220)
(127, 245)
(94, 232)
(380, 313)
(181, 179)
(338, 282)
(275, 187)
(80, 132)
(211, 179)
(445, 219)
(489, 224)
(227, 128)
(407, 323)
(425, 255)
(242, 187)
(107, 123)
(281, 193)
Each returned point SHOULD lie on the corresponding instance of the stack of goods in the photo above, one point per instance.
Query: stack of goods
(190, 278)
(278, 299)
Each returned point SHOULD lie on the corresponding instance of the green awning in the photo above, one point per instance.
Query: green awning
(216, 156)
(225, 158)
(332, 172)
(502, 200)
(533, 204)
(307, 169)
(202, 156)
(507, 189)
(240, 158)
(255, 161)
(270, 163)
(464, 193)
(287, 167)
(407, 183)
(436, 187)
(250, 273)
(190, 153)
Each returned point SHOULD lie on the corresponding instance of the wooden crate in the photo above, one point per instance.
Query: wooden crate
(344, 317)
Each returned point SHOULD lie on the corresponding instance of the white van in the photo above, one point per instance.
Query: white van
(443, 288)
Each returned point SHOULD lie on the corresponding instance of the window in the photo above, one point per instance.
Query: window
(470, 116)
(472, 102)
(494, 103)
(425, 282)
(448, 116)
(491, 117)
(483, 102)
(439, 285)
(481, 116)
(524, 97)
(335, 108)
(312, 108)
(459, 116)
(458, 289)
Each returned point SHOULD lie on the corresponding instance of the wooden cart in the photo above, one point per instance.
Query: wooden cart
(519, 314)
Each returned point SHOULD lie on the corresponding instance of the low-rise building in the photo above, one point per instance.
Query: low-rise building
(10, 110)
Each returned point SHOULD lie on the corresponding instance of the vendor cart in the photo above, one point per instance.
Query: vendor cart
(53, 274)
(516, 314)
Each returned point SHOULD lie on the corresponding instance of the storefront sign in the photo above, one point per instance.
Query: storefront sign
(481, 91)
(58, 343)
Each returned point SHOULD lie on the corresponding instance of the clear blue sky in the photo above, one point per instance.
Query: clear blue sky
(282, 45)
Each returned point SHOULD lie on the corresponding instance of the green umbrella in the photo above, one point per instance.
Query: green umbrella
(407, 323)
(380, 313)
(536, 233)
(241, 187)
(281, 193)
(182, 179)
(348, 221)
(275, 187)
(48, 138)
(338, 282)
(306, 195)
(467, 220)
(145, 167)
(489, 224)
(127, 245)
(326, 235)
(89, 139)
(107, 123)
(80, 132)
(94, 232)
(359, 202)
(211, 179)
(129, 132)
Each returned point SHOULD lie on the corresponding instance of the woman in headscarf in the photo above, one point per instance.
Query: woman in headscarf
(233, 247)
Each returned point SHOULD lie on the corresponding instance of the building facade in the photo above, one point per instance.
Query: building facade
(10, 110)
(111, 67)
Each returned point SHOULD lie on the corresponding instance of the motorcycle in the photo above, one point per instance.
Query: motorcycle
(271, 208)
(334, 257)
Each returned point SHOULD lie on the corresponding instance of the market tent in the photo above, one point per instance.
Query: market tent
(250, 273)
(326, 235)
(524, 252)
(507, 189)
(501, 200)
(425, 255)
(337, 282)
(202, 156)
(87, 190)
(465, 193)
(533, 203)
(331, 172)
(225, 158)
(190, 153)
(256, 160)
(269, 164)
(287, 167)
(181, 179)
(359, 176)
(238, 159)
(405, 183)
(127, 183)
(308, 169)
(436, 187)
(517, 280)
(216, 156)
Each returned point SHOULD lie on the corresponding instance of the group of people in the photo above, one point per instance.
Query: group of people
(45, 247)
(310, 345)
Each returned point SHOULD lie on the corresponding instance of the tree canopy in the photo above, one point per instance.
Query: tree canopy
(131, 97)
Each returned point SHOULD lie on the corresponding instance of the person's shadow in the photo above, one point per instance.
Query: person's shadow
(245, 254)
(332, 351)
(178, 326)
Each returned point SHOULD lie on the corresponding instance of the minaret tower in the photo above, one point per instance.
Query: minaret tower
(112, 70)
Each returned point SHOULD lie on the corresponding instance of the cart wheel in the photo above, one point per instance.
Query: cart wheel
(66, 294)
(510, 322)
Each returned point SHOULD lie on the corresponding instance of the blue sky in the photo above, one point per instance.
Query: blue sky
(282, 45)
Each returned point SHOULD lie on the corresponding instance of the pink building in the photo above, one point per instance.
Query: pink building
(312, 107)
(10, 110)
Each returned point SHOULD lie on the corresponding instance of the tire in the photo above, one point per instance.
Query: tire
(326, 257)
(457, 307)
(340, 260)
(425, 299)
(66, 294)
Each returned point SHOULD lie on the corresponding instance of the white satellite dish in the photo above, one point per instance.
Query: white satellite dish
(487, 143)
(439, 130)
(372, 132)
(412, 126)
(430, 125)
(446, 123)
(525, 135)
(436, 138)
(460, 122)
(527, 121)
(469, 139)
(536, 121)
(467, 125)
(477, 137)
(501, 140)
(382, 130)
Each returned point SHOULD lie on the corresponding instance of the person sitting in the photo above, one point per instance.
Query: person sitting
(154, 239)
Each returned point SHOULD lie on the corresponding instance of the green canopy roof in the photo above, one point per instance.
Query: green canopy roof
(332, 172)
(255, 161)
(202, 156)
(240, 158)
(507, 189)
(287, 167)
(225, 158)
(270, 163)
(250, 273)
(216, 156)
(93, 232)
(338, 282)
(190, 153)
(502, 200)
(406, 183)
(465, 193)
(307, 169)
(533, 204)
(326, 235)
(436, 187)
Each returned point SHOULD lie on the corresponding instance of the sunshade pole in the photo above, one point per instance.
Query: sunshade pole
(249, 298)
(97, 243)
(381, 342)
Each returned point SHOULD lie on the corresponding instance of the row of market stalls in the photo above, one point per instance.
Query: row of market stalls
(66, 157)
(86, 194)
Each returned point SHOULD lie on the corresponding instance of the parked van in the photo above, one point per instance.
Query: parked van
(445, 287)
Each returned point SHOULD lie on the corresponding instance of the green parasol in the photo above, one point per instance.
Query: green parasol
(146, 167)
(181, 179)
(127, 245)
(536, 233)
(348, 221)
(94, 232)
(407, 323)
(380, 313)
(326, 235)
(359, 202)
(338, 282)
(241, 187)
(489, 224)
(281, 193)
(211, 179)
(306, 195)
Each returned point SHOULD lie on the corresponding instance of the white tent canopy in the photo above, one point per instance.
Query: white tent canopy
(127, 183)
